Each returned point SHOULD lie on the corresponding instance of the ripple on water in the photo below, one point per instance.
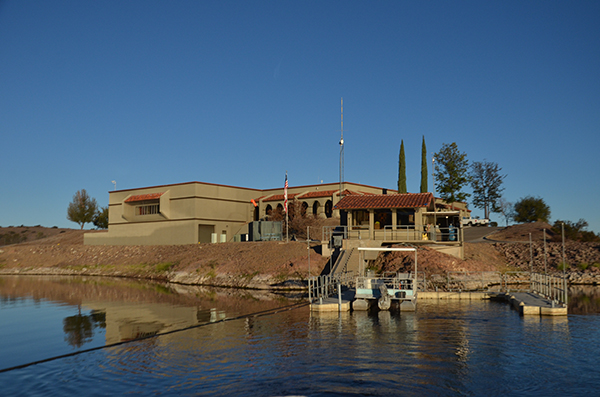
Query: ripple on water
(445, 348)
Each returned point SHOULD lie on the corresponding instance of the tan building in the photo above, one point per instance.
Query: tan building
(198, 212)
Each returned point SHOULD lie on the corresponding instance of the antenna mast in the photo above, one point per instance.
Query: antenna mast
(342, 154)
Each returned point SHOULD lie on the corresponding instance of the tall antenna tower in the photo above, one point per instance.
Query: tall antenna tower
(342, 154)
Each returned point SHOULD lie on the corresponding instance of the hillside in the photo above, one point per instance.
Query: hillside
(268, 264)
(21, 234)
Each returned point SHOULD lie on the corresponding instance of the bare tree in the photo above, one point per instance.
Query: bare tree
(506, 209)
(486, 182)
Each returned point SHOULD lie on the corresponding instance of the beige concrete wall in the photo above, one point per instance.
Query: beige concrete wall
(454, 250)
(299, 190)
(147, 233)
(185, 206)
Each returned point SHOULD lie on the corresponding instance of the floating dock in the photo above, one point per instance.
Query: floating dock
(526, 303)
(334, 303)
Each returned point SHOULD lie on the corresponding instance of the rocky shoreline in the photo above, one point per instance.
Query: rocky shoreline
(275, 265)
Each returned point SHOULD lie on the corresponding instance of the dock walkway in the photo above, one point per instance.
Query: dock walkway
(526, 303)
(332, 303)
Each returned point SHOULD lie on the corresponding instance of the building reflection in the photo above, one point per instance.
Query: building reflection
(125, 310)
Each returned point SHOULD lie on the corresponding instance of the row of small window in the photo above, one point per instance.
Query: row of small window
(147, 209)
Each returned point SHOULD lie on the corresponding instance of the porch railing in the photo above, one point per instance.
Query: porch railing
(397, 233)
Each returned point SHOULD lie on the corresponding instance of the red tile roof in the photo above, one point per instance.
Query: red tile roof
(144, 197)
(408, 200)
(280, 197)
(308, 195)
(350, 192)
(316, 194)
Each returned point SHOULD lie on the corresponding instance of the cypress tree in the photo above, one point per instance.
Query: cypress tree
(424, 187)
(402, 170)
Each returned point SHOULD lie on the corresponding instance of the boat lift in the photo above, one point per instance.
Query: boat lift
(387, 287)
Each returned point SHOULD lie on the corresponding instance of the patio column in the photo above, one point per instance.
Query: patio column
(350, 219)
(372, 224)
(394, 218)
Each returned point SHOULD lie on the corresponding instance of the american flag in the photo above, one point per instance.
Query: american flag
(285, 194)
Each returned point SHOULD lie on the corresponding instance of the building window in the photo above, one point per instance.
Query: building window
(361, 217)
(147, 209)
(328, 209)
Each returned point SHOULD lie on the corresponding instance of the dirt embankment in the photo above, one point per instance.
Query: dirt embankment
(274, 264)
(545, 252)
(249, 265)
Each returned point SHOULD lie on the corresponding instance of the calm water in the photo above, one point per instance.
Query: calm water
(445, 348)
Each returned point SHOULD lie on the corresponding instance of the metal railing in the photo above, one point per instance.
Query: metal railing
(322, 287)
(395, 233)
(420, 233)
(329, 231)
(341, 265)
(551, 287)
(400, 281)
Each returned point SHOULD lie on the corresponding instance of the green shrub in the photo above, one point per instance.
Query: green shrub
(562, 266)
(583, 266)
(165, 267)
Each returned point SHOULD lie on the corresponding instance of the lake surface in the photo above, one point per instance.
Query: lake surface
(445, 348)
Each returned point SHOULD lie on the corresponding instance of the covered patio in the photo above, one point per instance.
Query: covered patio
(397, 218)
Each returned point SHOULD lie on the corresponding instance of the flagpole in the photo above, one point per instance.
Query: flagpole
(286, 208)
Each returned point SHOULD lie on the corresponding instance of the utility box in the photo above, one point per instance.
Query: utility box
(337, 241)
(240, 237)
(265, 231)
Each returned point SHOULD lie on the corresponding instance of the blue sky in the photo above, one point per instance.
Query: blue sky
(237, 92)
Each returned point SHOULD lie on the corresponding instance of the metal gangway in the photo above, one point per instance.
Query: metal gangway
(545, 286)
(550, 287)
(322, 287)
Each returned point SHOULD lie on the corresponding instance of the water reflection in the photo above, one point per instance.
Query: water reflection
(451, 348)
(105, 311)
(79, 328)
(584, 300)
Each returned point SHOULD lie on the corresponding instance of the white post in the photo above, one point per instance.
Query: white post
(545, 258)
(308, 247)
